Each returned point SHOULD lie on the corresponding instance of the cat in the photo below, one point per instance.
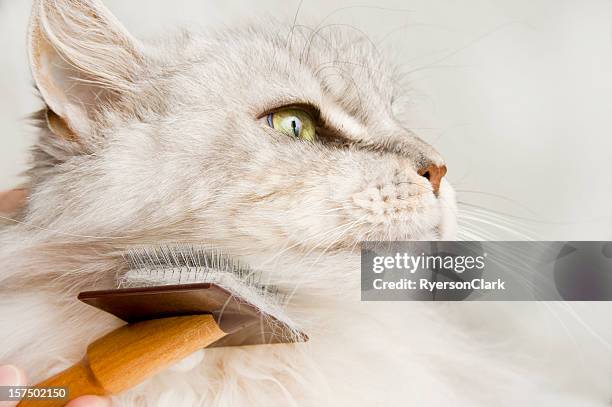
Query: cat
(275, 143)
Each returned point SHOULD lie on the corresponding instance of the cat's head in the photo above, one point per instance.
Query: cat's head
(260, 138)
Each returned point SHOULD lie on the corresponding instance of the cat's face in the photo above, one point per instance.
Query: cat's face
(254, 139)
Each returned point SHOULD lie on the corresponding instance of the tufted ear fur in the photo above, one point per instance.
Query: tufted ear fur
(82, 60)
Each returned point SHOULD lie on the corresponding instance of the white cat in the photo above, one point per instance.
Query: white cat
(286, 148)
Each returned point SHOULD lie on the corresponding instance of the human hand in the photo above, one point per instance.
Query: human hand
(12, 376)
(12, 200)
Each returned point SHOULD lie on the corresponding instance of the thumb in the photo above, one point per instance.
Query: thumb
(90, 401)
(10, 376)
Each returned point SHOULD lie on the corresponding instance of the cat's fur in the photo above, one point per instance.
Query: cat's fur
(167, 144)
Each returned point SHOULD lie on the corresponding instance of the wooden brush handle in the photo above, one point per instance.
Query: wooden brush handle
(128, 355)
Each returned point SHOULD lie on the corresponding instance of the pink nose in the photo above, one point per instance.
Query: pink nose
(433, 173)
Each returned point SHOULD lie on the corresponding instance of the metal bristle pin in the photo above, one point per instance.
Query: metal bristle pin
(187, 264)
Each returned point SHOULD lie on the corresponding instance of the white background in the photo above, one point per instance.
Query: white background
(516, 94)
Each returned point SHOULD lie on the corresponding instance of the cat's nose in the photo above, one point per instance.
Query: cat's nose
(434, 174)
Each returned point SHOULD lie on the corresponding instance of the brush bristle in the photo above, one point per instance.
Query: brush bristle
(186, 264)
(180, 265)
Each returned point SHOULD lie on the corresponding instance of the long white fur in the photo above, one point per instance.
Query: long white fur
(174, 150)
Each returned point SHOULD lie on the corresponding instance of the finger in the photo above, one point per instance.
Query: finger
(11, 376)
(12, 200)
(90, 401)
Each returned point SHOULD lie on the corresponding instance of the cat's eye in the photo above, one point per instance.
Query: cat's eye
(293, 122)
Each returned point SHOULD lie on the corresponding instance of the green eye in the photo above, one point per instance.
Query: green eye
(293, 122)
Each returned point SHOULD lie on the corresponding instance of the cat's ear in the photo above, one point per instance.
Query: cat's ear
(82, 59)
